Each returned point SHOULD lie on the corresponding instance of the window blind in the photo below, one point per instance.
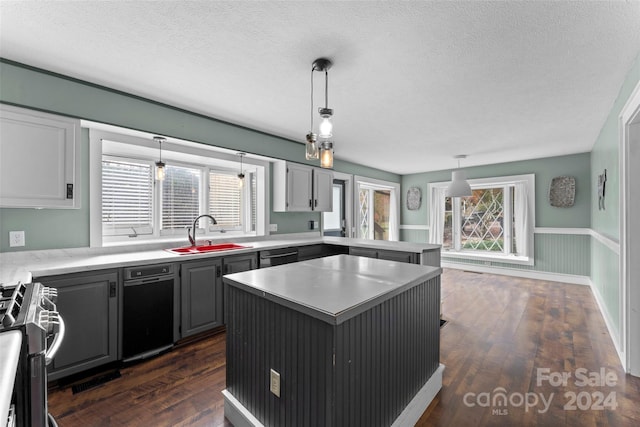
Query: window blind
(225, 199)
(180, 197)
(127, 197)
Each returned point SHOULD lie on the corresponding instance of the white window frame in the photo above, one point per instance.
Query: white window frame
(154, 193)
(394, 208)
(140, 147)
(526, 257)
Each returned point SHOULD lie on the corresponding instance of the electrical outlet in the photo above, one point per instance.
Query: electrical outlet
(16, 238)
(273, 227)
(275, 383)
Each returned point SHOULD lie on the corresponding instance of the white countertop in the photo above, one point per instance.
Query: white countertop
(22, 266)
(335, 288)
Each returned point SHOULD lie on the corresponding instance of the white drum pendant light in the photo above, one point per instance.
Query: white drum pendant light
(459, 187)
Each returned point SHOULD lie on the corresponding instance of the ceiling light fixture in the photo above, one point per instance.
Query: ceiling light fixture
(325, 146)
(241, 174)
(326, 154)
(160, 166)
(458, 187)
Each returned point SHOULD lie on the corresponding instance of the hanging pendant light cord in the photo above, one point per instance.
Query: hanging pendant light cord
(311, 110)
(326, 89)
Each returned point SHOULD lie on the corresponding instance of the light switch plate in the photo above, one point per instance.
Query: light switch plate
(273, 227)
(16, 238)
(275, 383)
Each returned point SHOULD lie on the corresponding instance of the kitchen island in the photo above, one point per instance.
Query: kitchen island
(336, 341)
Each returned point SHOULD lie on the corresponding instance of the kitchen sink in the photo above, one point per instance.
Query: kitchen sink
(201, 249)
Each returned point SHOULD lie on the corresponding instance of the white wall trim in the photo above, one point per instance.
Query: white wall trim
(561, 230)
(514, 272)
(608, 321)
(629, 271)
(607, 241)
(413, 227)
(395, 208)
(349, 207)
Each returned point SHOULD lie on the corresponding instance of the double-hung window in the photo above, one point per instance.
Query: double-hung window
(496, 221)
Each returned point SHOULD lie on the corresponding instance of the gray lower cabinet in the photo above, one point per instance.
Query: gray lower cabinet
(202, 291)
(240, 263)
(88, 303)
(201, 296)
(399, 256)
(319, 251)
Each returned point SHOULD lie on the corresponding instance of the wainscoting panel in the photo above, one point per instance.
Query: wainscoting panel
(605, 277)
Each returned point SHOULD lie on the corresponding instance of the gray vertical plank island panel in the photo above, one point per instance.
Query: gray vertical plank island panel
(355, 340)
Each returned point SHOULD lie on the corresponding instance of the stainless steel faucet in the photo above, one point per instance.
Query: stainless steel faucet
(192, 239)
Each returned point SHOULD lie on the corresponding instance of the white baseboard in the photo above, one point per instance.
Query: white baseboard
(554, 277)
(608, 321)
(514, 272)
(237, 414)
(421, 401)
(240, 416)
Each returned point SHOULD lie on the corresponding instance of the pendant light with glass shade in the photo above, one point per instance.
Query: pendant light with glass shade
(241, 174)
(459, 187)
(311, 147)
(324, 148)
(160, 166)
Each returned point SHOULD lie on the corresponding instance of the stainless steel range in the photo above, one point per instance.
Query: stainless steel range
(29, 309)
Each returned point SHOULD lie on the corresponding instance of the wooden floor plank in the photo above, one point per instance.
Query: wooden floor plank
(500, 331)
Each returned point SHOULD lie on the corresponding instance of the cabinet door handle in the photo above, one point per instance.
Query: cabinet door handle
(112, 289)
(316, 205)
(310, 203)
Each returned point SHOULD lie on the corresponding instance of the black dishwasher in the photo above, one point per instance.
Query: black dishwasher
(148, 311)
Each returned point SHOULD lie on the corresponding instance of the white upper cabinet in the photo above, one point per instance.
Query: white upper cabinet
(39, 159)
(300, 188)
(322, 190)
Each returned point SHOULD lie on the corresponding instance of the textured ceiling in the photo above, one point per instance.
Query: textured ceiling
(413, 83)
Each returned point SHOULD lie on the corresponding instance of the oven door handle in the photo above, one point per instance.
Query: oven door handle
(57, 340)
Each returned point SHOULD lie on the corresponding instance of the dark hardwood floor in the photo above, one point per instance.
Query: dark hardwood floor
(500, 332)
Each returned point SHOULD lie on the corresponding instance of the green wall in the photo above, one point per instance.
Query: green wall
(605, 262)
(605, 155)
(554, 253)
(577, 165)
(42, 90)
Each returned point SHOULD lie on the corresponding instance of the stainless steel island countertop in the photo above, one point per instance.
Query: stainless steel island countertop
(335, 288)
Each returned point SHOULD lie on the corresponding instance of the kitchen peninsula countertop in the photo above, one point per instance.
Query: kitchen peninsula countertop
(23, 265)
